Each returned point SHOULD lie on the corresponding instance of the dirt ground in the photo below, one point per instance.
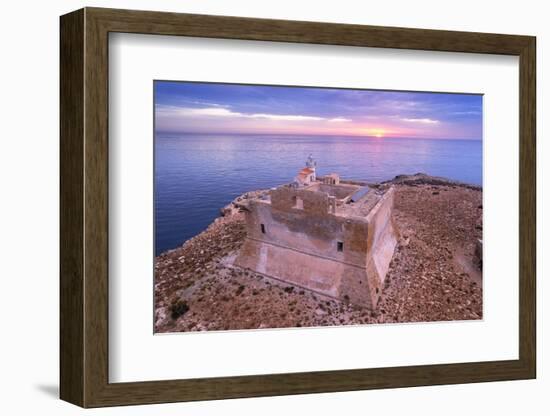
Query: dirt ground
(433, 275)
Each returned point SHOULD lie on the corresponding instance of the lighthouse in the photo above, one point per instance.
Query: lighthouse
(312, 164)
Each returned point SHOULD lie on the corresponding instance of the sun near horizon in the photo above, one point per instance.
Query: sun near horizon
(377, 132)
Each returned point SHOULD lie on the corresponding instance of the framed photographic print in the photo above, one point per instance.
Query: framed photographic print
(255, 207)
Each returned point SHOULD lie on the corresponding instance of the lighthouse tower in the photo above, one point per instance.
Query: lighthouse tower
(312, 164)
(307, 175)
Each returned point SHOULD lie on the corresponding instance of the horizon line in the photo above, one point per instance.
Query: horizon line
(316, 135)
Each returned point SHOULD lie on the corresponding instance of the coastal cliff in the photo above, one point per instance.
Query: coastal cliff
(433, 275)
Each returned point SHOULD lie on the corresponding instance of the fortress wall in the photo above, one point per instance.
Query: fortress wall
(314, 234)
(382, 241)
(321, 275)
(282, 198)
(311, 272)
(300, 245)
(355, 288)
(311, 229)
(285, 199)
(355, 240)
(380, 217)
(301, 248)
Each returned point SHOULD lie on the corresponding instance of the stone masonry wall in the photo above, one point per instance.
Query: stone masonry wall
(300, 245)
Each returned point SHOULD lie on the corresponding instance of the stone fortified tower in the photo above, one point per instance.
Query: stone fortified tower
(324, 234)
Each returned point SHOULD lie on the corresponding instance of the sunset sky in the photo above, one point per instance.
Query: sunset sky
(182, 107)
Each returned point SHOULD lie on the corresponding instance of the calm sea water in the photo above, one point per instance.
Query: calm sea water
(196, 175)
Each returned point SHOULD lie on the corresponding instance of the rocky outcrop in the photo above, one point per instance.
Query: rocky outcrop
(433, 275)
(423, 179)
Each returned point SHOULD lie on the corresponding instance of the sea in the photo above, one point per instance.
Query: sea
(197, 174)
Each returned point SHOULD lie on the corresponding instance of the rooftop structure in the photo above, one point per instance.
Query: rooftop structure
(305, 177)
(324, 234)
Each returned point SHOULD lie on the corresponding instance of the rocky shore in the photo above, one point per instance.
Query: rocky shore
(434, 274)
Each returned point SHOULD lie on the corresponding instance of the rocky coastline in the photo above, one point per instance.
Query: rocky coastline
(434, 274)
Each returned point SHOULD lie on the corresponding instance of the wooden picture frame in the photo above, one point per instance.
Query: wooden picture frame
(84, 207)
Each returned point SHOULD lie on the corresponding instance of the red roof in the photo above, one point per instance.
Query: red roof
(306, 171)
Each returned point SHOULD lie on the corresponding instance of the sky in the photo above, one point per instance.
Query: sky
(185, 107)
